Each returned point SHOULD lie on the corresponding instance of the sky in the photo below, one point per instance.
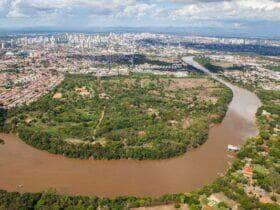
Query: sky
(255, 16)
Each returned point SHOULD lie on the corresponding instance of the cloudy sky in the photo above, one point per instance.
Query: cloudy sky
(219, 14)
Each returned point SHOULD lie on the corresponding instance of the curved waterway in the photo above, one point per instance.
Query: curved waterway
(25, 169)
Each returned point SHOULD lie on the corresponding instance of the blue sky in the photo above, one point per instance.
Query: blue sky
(219, 14)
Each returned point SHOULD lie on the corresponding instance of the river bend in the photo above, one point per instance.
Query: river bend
(26, 169)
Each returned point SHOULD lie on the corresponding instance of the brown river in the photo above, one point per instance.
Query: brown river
(25, 169)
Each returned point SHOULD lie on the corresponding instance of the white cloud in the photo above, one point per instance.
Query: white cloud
(240, 9)
(130, 12)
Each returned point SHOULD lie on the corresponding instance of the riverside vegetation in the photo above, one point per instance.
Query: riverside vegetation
(261, 150)
(137, 116)
(232, 184)
(206, 62)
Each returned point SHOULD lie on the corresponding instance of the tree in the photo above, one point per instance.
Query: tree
(274, 178)
(3, 115)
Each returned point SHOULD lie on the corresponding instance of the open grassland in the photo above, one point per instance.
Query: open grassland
(136, 116)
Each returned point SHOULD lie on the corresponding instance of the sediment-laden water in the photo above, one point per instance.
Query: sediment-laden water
(25, 169)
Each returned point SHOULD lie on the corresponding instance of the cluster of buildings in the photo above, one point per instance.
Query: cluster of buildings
(90, 40)
(24, 78)
(249, 70)
(251, 188)
(45, 58)
(36, 87)
(33, 65)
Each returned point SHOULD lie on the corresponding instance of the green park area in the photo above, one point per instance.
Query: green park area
(140, 116)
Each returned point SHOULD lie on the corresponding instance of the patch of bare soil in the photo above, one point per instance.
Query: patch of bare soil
(173, 122)
(104, 96)
(154, 92)
(2, 90)
(187, 83)
(145, 82)
(152, 111)
(29, 120)
(224, 64)
(99, 121)
(186, 122)
(129, 82)
(164, 207)
(78, 141)
(57, 96)
(213, 116)
(82, 91)
(141, 133)
(206, 95)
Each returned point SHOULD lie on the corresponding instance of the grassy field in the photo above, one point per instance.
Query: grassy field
(274, 68)
(136, 116)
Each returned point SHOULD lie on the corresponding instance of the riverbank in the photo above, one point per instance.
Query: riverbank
(26, 169)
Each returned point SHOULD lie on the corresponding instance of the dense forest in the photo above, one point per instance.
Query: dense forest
(136, 116)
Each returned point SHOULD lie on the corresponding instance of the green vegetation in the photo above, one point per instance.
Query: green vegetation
(273, 68)
(50, 200)
(269, 114)
(138, 116)
(2, 142)
(232, 184)
(206, 62)
(3, 115)
(10, 71)
(238, 68)
(252, 86)
(262, 152)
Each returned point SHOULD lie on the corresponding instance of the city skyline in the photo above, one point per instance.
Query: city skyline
(215, 17)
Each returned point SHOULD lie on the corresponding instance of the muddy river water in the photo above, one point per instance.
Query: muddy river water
(25, 169)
